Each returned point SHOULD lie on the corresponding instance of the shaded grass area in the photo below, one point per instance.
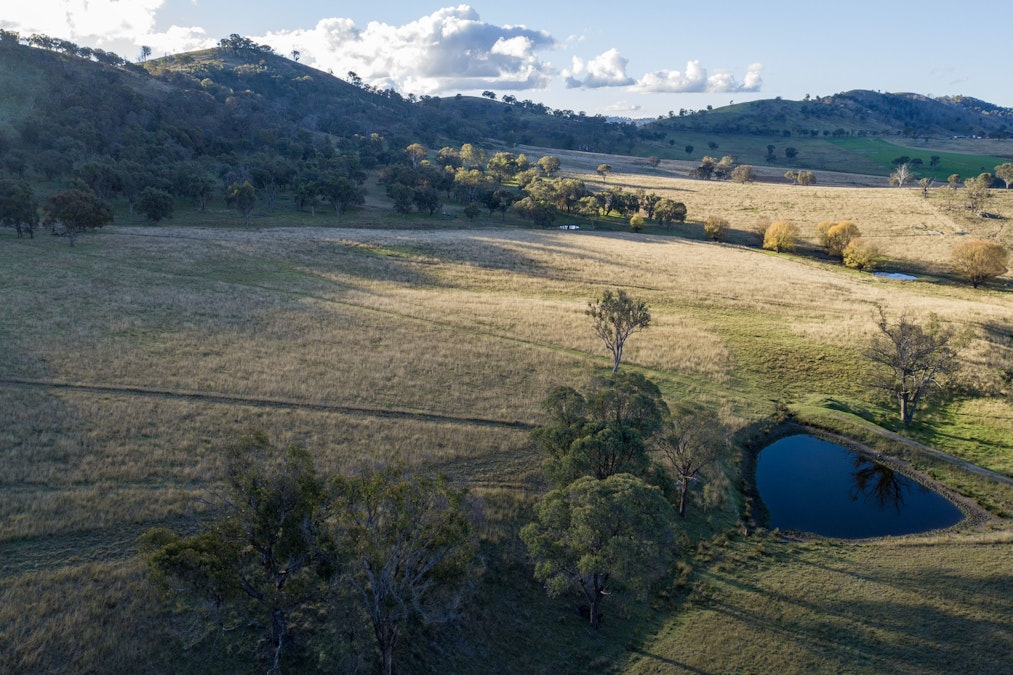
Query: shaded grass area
(901, 607)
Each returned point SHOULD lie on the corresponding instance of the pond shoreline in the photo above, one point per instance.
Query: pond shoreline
(756, 515)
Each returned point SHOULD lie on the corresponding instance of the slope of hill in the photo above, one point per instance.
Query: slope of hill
(69, 107)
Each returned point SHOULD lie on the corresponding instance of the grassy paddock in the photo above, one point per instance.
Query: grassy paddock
(132, 358)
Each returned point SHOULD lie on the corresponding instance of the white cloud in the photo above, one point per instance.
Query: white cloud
(449, 50)
(94, 21)
(605, 70)
(696, 79)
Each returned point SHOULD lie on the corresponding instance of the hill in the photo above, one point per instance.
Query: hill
(66, 106)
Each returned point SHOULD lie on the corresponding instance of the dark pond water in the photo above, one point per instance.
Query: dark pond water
(815, 486)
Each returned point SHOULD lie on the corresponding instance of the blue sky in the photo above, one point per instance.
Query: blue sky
(636, 58)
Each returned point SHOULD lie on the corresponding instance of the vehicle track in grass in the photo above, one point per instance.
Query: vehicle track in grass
(287, 404)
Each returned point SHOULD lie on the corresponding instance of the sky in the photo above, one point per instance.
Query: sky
(637, 59)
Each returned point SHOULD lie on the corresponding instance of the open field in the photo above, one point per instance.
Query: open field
(129, 360)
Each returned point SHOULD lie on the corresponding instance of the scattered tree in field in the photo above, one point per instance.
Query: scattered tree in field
(244, 198)
(835, 237)
(405, 540)
(791, 153)
(780, 236)
(604, 170)
(1004, 172)
(911, 359)
(861, 254)
(653, 161)
(637, 222)
(18, 207)
(977, 191)
(77, 211)
(155, 204)
(805, 178)
(472, 210)
(716, 227)
(925, 184)
(743, 173)
(979, 261)
(616, 316)
(600, 536)
(603, 431)
(902, 175)
(953, 180)
(667, 210)
(253, 565)
(549, 165)
(688, 149)
(690, 444)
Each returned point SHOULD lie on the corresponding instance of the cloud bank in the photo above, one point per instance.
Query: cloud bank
(696, 80)
(452, 49)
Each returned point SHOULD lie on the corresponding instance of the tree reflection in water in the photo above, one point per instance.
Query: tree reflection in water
(879, 482)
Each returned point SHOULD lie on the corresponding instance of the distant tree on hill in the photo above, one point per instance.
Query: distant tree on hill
(979, 260)
(742, 174)
(155, 204)
(669, 210)
(243, 197)
(18, 207)
(977, 191)
(77, 211)
(549, 165)
(604, 170)
(902, 175)
(1004, 172)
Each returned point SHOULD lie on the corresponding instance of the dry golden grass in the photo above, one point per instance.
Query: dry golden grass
(373, 344)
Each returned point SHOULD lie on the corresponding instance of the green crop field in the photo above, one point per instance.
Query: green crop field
(131, 359)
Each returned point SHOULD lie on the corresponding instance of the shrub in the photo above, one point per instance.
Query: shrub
(716, 227)
(861, 254)
(835, 237)
(979, 260)
(780, 236)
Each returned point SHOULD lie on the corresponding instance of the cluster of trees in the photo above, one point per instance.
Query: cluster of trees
(723, 169)
(68, 213)
(287, 548)
(609, 522)
(843, 240)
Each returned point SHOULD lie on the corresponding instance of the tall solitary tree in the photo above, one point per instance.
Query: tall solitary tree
(601, 535)
(76, 211)
(911, 359)
(616, 316)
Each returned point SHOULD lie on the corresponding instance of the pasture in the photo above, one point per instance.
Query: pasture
(129, 360)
